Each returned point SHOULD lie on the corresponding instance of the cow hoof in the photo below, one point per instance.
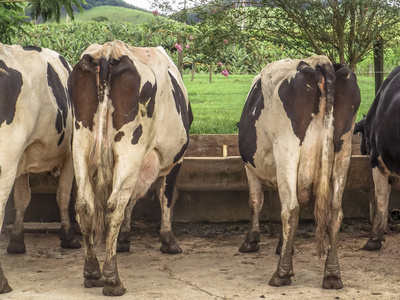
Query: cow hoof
(172, 248)
(4, 286)
(91, 273)
(93, 283)
(17, 244)
(113, 289)
(16, 248)
(276, 280)
(123, 246)
(249, 247)
(332, 283)
(123, 242)
(372, 245)
(70, 244)
(69, 239)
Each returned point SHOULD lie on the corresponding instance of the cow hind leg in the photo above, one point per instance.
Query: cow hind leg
(284, 272)
(22, 197)
(382, 192)
(4, 286)
(128, 186)
(167, 195)
(147, 175)
(256, 201)
(85, 214)
(67, 235)
(278, 249)
(287, 182)
(332, 278)
(121, 194)
(124, 236)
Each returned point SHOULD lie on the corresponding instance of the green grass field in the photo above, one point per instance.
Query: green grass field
(114, 14)
(217, 106)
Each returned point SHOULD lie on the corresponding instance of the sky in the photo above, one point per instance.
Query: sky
(146, 4)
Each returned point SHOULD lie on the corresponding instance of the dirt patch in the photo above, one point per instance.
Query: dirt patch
(210, 267)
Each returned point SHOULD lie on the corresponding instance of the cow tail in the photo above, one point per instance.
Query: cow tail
(101, 163)
(322, 209)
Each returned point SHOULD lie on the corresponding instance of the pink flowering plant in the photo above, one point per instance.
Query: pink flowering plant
(178, 47)
(225, 73)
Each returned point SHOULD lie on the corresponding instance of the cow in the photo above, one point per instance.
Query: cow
(295, 135)
(35, 135)
(381, 141)
(131, 129)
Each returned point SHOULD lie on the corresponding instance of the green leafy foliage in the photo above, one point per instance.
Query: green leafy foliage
(12, 17)
(343, 30)
(13, 14)
(100, 19)
(51, 9)
(73, 38)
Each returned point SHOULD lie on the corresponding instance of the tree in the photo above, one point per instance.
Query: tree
(13, 13)
(12, 17)
(216, 28)
(344, 30)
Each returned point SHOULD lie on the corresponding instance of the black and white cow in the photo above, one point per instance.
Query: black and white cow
(132, 119)
(295, 134)
(35, 134)
(380, 139)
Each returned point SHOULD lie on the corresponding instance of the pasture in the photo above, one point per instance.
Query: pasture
(217, 106)
(114, 14)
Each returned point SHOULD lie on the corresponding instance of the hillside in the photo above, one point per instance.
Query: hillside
(114, 13)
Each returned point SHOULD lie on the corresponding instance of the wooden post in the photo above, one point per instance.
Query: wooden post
(378, 63)
(193, 69)
(180, 56)
(211, 71)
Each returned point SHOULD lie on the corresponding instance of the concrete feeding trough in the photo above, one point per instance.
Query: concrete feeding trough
(212, 187)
